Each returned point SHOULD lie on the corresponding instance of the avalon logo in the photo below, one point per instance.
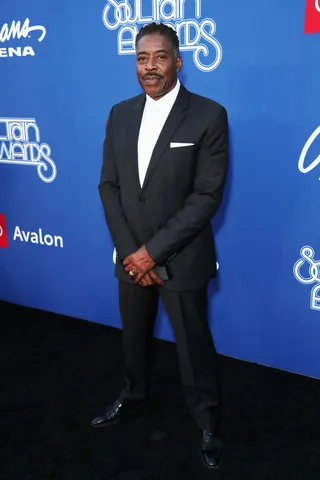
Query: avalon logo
(307, 271)
(301, 164)
(38, 237)
(196, 34)
(25, 236)
(18, 30)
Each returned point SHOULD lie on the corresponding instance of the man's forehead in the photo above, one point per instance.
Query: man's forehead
(154, 42)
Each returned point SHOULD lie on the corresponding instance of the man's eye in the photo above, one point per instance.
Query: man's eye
(162, 57)
(141, 59)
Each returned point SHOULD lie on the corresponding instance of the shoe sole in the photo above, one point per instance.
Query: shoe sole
(106, 424)
(209, 466)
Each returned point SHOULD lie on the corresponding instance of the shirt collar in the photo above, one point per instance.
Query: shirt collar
(167, 100)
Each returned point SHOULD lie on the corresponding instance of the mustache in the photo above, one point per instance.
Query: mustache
(150, 74)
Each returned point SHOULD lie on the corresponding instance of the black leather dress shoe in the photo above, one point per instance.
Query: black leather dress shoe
(116, 412)
(211, 449)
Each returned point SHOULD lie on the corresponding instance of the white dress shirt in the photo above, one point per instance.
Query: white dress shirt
(154, 116)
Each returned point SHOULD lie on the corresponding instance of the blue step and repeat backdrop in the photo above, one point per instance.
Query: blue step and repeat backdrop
(63, 65)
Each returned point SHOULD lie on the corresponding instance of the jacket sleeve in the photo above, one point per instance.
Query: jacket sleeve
(109, 189)
(205, 199)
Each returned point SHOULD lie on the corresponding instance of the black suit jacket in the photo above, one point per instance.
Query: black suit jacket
(182, 189)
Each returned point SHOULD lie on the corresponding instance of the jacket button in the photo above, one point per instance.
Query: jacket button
(141, 200)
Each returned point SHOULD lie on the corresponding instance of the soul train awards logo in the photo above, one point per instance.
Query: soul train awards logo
(20, 145)
(307, 271)
(301, 164)
(312, 18)
(195, 34)
(18, 31)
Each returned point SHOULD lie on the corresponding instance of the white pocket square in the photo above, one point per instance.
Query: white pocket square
(177, 145)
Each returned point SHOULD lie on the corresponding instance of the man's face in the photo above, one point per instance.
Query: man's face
(157, 65)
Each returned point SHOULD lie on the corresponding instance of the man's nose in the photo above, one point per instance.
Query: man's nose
(151, 64)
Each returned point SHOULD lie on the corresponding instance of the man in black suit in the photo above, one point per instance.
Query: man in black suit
(163, 174)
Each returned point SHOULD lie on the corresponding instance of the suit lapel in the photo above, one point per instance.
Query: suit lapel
(174, 120)
(132, 135)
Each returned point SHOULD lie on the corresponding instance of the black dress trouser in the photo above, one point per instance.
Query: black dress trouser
(187, 311)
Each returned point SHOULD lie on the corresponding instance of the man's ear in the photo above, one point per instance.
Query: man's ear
(178, 63)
